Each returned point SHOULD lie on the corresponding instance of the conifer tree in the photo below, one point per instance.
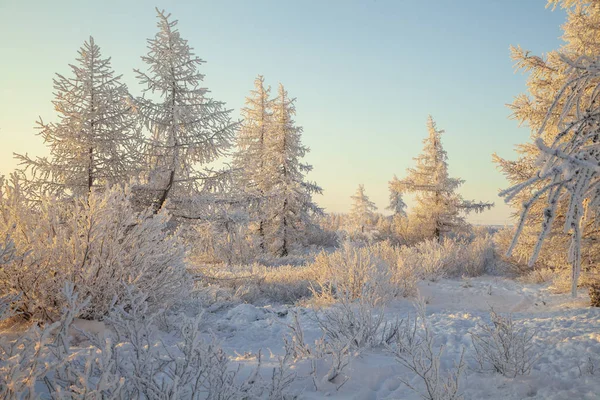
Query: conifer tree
(362, 213)
(547, 78)
(290, 206)
(440, 209)
(397, 205)
(253, 176)
(189, 130)
(94, 143)
(560, 200)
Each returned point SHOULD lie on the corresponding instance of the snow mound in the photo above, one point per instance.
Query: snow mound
(245, 314)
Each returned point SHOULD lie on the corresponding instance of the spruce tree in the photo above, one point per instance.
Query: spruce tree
(362, 213)
(290, 206)
(559, 196)
(253, 179)
(440, 209)
(188, 129)
(397, 205)
(94, 143)
(547, 78)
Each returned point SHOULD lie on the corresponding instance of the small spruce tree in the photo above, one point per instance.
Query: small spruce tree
(362, 213)
(440, 209)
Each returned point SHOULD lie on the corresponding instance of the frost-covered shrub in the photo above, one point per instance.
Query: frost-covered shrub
(433, 260)
(345, 334)
(336, 354)
(404, 277)
(538, 276)
(562, 280)
(189, 368)
(131, 359)
(98, 243)
(374, 273)
(588, 367)
(552, 264)
(356, 325)
(480, 255)
(42, 361)
(415, 349)
(554, 254)
(322, 238)
(353, 273)
(257, 283)
(9, 296)
(503, 347)
(226, 239)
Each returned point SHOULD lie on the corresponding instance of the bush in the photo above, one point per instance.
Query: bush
(504, 348)
(130, 360)
(480, 256)
(594, 291)
(433, 260)
(335, 353)
(538, 276)
(562, 280)
(554, 254)
(358, 273)
(414, 348)
(322, 238)
(356, 325)
(430, 259)
(347, 330)
(98, 243)
(257, 283)
(404, 277)
(225, 239)
(374, 273)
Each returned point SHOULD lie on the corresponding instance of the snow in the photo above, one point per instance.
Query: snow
(567, 333)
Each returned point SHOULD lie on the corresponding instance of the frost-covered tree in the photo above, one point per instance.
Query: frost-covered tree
(396, 226)
(362, 211)
(544, 105)
(568, 182)
(94, 142)
(253, 174)
(290, 205)
(397, 205)
(440, 209)
(188, 129)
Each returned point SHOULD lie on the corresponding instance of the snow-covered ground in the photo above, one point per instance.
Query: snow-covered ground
(567, 342)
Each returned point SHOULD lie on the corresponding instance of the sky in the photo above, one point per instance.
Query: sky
(366, 74)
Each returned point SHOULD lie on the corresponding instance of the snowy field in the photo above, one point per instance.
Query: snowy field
(567, 342)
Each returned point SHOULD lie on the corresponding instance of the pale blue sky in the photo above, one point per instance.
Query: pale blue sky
(366, 75)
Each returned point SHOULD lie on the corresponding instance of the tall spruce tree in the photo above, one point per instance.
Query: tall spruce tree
(188, 129)
(290, 205)
(94, 143)
(440, 209)
(253, 177)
